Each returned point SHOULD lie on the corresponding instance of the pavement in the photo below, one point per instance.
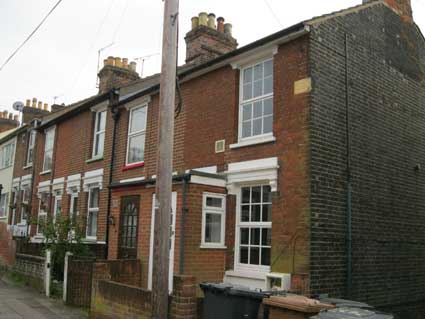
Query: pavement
(21, 302)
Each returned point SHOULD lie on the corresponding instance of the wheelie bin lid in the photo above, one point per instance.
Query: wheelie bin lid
(235, 290)
(351, 313)
(339, 303)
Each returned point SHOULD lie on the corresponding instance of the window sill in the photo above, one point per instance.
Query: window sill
(206, 246)
(91, 240)
(254, 141)
(131, 166)
(260, 274)
(45, 172)
(28, 166)
(94, 159)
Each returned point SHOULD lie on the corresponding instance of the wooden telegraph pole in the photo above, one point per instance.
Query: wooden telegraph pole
(165, 161)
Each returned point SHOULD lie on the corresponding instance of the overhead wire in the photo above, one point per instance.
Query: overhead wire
(30, 35)
(273, 13)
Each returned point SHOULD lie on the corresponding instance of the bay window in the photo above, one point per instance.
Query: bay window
(136, 135)
(92, 212)
(99, 134)
(213, 220)
(254, 228)
(3, 205)
(256, 101)
(42, 212)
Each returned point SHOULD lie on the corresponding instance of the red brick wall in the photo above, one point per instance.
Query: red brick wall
(7, 246)
(73, 148)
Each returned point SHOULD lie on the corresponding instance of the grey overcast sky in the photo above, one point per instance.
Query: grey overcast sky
(61, 59)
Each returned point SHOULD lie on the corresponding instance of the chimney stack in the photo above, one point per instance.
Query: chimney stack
(8, 121)
(33, 110)
(207, 40)
(116, 72)
(402, 7)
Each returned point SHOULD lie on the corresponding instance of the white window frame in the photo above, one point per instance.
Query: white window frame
(25, 202)
(6, 205)
(31, 145)
(6, 155)
(71, 205)
(237, 265)
(130, 135)
(41, 213)
(97, 132)
(92, 210)
(265, 137)
(51, 131)
(216, 211)
(55, 206)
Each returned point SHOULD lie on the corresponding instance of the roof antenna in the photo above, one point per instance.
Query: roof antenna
(144, 58)
(98, 61)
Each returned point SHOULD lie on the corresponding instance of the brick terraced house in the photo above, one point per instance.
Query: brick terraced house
(297, 159)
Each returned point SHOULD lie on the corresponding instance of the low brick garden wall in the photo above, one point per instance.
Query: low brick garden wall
(112, 300)
(83, 271)
(32, 267)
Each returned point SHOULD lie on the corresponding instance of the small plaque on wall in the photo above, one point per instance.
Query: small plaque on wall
(115, 203)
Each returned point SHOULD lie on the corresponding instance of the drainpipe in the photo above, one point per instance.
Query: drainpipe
(113, 100)
(34, 160)
(186, 179)
(349, 179)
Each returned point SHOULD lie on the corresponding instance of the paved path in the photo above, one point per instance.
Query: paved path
(17, 302)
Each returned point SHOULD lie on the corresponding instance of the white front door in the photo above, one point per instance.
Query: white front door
(172, 240)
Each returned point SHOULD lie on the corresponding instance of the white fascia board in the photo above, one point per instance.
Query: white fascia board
(210, 181)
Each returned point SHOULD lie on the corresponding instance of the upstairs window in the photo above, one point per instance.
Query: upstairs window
(99, 134)
(136, 135)
(31, 144)
(48, 149)
(6, 155)
(256, 108)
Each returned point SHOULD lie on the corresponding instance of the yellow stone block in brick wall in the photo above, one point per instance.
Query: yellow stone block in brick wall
(302, 86)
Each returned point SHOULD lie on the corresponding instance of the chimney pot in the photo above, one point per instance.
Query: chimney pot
(16, 117)
(10, 116)
(28, 103)
(203, 19)
(5, 114)
(195, 22)
(118, 62)
(228, 29)
(124, 62)
(1, 115)
(211, 21)
(46, 106)
(34, 102)
(111, 60)
(40, 105)
(132, 66)
(220, 24)
(105, 62)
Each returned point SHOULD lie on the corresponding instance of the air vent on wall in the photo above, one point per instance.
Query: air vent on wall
(220, 146)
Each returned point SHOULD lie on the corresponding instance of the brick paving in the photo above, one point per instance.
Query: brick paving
(19, 302)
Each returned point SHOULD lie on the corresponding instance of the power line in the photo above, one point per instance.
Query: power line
(273, 13)
(30, 36)
(120, 21)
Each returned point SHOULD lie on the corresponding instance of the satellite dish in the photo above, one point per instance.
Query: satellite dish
(18, 106)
